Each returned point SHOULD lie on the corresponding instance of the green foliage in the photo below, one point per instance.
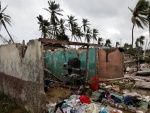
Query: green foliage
(55, 27)
(5, 19)
(8, 105)
(140, 15)
(147, 59)
(62, 37)
(108, 43)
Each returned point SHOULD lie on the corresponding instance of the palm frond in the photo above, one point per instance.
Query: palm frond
(138, 23)
(4, 9)
(130, 9)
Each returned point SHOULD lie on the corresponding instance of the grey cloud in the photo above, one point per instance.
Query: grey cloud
(104, 15)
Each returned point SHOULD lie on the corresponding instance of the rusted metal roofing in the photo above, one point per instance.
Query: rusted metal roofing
(53, 41)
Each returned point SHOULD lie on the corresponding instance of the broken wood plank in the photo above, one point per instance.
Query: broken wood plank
(143, 73)
(106, 80)
(53, 74)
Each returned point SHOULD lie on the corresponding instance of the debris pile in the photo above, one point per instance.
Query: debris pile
(108, 97)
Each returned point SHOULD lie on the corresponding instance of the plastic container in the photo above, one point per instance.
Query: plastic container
(94, 86)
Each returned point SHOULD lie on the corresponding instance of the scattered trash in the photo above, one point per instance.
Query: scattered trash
(110, 97)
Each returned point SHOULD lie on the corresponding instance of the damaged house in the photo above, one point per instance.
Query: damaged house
(22, 69)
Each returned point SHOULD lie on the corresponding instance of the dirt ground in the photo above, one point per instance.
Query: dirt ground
(57, 93)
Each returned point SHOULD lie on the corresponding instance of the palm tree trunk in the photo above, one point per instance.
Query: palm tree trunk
(149, 28)
(7, 31)
(132, 34)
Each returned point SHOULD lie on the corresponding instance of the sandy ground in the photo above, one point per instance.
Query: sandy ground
(57, 93)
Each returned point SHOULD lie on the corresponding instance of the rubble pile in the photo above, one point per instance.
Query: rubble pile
(108, 97)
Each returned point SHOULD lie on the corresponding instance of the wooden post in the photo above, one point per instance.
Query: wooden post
(87, 64)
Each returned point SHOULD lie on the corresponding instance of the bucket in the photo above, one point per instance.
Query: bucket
(94, 86)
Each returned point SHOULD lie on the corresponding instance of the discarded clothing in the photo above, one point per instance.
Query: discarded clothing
(91, 108)
(84, 99)
(116, 99)
(82, 108)
(128, 100)
(59, 106)
(103, 109)
(105, 95)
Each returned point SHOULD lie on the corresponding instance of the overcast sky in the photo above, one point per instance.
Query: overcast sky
(111, 17)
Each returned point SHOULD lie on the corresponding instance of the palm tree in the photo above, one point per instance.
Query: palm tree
(141, 40)
(88, 35)
(75, 31)
(54, 10)
(127, 47)
(100, 40)
(62, 26)
(79, 33)
(44, 24)
(62, 37)
(72, 24)
(85, 24)
(5, 18)
(95, 34)
(140, 13)
(108, 43)
(117, 44)
(137, 43)
(148, 17)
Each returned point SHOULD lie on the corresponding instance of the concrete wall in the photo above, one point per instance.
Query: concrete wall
(22, 77)
(54, 61)
(110, 63)
(105, 63)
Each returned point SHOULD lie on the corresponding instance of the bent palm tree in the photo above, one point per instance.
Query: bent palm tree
(5, 18)
(44, 24)
(140, 13)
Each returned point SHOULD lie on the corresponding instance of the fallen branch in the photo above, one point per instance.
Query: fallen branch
(53, 74)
